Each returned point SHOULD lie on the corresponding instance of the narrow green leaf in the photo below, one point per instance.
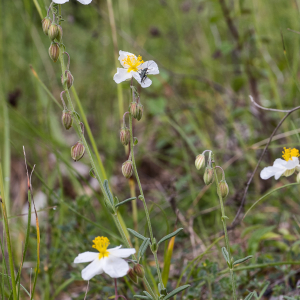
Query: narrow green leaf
(225, 254)
(263, 290)
(92, 174)
(136, 234)
(147, 294)
(108, 192)
(143, 248)
(170, 235)
(141, 297)
(240, 261)
(176, 291)
(250, 295)
(125, 201)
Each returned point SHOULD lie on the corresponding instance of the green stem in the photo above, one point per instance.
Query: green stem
(223, 217)
(10, 255)
(143, 200)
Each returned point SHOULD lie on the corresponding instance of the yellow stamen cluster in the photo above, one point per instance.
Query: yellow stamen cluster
(101, 243)
(132, 62)
(289, 153)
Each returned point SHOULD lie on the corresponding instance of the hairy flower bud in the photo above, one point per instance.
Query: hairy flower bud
(69, 79)
(77, 151)
(124, 136)
(139, 270)
(67, 119)
(131, 274)
(53, 31)
(200, 161)
(208, 176)
(60, 33)
(54, 51)
(136, 109)
(46, 22)
(223, 187)
(127, 169)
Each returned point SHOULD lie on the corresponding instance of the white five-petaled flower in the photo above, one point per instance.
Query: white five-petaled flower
(109, 261)
(85, 2)
(284, 166)
(133, 67)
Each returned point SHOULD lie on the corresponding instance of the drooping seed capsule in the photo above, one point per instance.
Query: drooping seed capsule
(54, 51)
(139, 270)
(136, 109)
(140, 110)
(200, 161)
(132, 275)
(77, 151)
(208, 176)
(223, 187)
(127, 169)
(67, 119)
(125, 136)
(46, 23)
(69, 79)
(60, 33)
(53, 31)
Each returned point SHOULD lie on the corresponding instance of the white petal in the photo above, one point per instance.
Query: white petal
(85, 2)
(115, 267)
(268, 172)
(93, 269)
(152, 67)
(60, 1)
(146, 82)
(123, 55)
(86, 257)
(291, 164)
(121, 252)
(279, 162)
(122, 75)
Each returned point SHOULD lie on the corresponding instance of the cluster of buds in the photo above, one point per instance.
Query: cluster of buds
(136, 272)
(136, 108)
(209, 173)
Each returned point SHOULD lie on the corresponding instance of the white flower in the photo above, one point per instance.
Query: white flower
(133, 67)
(107, 260)
(85, 2)
(284, 166)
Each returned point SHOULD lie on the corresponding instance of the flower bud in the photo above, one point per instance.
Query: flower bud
(53, 31)
(288, 173)
(54, 51)
(139, 270)
(136, 109)
(77, 151)
(200, 161)
(124, 136)
(298, 178)
(67, 119)
(223, 187)
(131, 274)
(208, 176)
(127, 169)
(69, 79)
(46, 22)
(60, 33)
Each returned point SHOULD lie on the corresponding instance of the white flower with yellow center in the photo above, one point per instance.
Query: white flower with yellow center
(284, 166)
(85, 2)
(135, 67)
(109, 261)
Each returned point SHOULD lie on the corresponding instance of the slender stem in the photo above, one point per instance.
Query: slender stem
(143, 200)
(8, 242)
(223, 217)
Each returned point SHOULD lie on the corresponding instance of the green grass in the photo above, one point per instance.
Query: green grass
(199, 101)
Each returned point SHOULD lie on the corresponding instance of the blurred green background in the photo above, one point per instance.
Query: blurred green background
(211, 55)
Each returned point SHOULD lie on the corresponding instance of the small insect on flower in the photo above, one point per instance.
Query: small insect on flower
(135, 67)
(85, 2)
(284, 166)
(109, 261)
